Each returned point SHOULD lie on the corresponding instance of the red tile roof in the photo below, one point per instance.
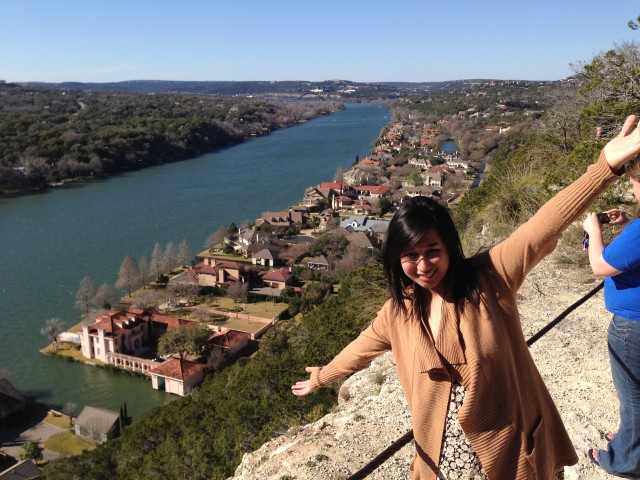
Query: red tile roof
(178, 369)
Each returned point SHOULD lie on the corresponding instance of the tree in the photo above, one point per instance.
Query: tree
(184, 253)
(129, 277)
(216, 237)
(31, 450)
(157, 261)
(53, 327)
(145, 271)
(415, 178)
(170, 256)
(612, 78)
(105, 297)
(146, 299)
(69, 410)
(184, 341)
(84, 296)
(239, 291)
(634, 25)
(384, 204)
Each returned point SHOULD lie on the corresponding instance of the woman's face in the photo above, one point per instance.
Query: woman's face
(427, 262)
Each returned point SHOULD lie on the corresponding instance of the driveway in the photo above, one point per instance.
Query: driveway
(11, 440)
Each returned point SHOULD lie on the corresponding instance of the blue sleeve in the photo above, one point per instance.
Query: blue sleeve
(623, 253)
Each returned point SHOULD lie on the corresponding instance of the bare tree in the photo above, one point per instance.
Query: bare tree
(238, 291)
(353, 258)
(184, 284)
(145, 271)
(170, 256)
(53, 327)
(105, 297)
(84, 295)
(129, 277)
(184, 253)
(157, 261)
(69, 410)
(216, 237)
(147, 299)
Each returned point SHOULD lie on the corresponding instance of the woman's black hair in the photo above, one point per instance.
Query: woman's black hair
(412, 220)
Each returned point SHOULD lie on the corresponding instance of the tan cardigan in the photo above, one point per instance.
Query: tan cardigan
(508, 414)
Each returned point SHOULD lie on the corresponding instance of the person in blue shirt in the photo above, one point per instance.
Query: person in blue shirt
(619, 263)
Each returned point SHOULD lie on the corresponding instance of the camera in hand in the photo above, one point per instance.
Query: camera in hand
(603, 218)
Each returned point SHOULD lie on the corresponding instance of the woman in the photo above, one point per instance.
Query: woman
(619, 263)
(455, 333)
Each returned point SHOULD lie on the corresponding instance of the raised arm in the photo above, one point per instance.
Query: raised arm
(532, 241)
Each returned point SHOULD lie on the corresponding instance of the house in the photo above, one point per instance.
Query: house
(278, 278)
(433, 179)
(264, 257)
(420, 163)
(177, 376)
(280, 222)
(216, 270)
(376, 191)
(363, 240)
(315, 196)
(341, 188)
(97, 424)
(116, 331)
(317, 263)
(118, 336)
(361, 223)
(22, 470)
(342, 202)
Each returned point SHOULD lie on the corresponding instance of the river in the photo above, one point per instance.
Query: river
(50, 241)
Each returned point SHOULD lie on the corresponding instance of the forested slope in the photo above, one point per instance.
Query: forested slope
(50, 135)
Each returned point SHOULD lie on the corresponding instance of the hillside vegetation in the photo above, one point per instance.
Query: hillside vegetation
(52, 135)
(204, 435)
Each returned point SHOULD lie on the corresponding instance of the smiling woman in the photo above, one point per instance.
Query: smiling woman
(454, 329)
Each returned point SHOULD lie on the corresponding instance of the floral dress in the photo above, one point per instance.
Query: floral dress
(458, 459)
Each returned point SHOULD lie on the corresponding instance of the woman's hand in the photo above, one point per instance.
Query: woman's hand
(303, 387)
(617, 216)
(591, 225)
(624, 146)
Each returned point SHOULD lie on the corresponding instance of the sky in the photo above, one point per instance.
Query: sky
(275, 40)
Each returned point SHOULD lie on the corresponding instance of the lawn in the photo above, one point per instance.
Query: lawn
(58, 419)
(68, 443)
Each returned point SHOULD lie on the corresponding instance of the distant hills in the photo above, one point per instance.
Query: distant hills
(333, 88)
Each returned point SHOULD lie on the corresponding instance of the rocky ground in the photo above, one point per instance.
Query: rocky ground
(372, 412)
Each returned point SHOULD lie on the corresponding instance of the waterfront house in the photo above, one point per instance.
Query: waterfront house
(316, 196)
(119, 337)
(97, 424)
(177, 376)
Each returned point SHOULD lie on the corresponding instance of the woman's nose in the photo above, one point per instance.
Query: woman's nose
(422, 263)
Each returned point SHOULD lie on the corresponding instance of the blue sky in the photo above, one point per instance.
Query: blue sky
(358, 40)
